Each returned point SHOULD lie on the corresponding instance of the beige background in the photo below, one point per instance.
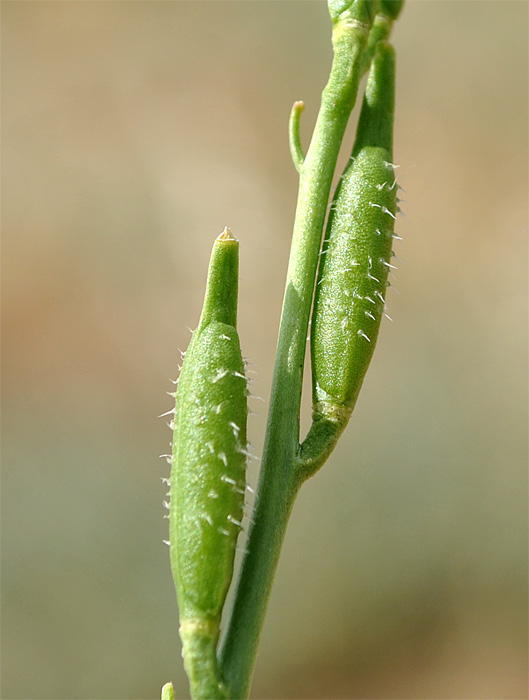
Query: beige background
(132, 133)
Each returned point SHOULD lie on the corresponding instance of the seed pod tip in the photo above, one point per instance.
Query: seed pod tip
(226, 235)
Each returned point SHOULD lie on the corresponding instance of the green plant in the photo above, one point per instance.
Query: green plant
(207, 484)
(347, 310)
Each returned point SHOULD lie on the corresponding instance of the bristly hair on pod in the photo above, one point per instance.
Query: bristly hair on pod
(354, 265)
(208, 476)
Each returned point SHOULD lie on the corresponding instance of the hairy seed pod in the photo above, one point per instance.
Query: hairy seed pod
(352, 281)
(208, 470)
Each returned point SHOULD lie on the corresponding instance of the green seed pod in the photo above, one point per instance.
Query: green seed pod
(208, 470)
(352, 281)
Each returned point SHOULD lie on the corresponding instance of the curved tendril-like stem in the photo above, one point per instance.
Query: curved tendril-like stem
(294, 138)
(328, 423)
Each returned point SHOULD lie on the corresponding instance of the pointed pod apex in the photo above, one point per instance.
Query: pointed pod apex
(168, 692)
(226, 235)
(220, 303)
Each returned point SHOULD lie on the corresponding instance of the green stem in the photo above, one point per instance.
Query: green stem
(387, 12)
(279, 481)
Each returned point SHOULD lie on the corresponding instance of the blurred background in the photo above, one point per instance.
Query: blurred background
(133, 132)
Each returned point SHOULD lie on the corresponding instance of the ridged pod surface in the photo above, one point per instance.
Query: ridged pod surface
(353, 276)
(208, 471)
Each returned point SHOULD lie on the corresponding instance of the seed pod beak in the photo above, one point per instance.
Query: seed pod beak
(220, 303)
